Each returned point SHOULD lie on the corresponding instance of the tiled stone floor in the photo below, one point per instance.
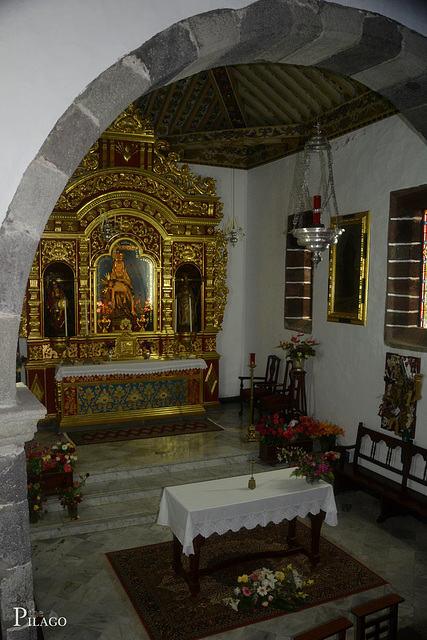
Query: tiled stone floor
(73, 579)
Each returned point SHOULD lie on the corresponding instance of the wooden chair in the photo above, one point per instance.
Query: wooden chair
(336, 628)
(378, 627)
(287, 399)
(269, 378)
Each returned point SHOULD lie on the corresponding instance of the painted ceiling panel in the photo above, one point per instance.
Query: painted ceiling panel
(244, 116)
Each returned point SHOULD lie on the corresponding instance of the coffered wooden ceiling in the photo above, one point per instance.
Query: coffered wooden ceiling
(244, 116)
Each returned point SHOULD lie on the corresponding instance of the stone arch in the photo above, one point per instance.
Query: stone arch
(375, 50)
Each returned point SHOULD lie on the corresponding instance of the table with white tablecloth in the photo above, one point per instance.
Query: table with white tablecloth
(195, 511)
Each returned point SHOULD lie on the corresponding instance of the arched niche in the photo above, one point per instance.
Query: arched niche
(58, 301)
(125, 289)
(188, 299)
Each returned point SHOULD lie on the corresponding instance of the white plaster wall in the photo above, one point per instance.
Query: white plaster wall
(63, 46)
(231, 187)
(345, 382)
(50, 50)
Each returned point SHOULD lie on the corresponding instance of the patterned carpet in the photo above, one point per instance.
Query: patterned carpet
(133, 431)
(167, 610)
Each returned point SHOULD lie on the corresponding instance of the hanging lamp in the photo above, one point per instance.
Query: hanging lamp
(316, 237)
(233, 230)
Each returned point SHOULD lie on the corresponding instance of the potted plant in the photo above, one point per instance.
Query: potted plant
(51, 466)
(72, 496)
(36, 501)
(265, 588)
(298, 350)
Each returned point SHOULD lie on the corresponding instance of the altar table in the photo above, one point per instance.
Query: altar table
(195, 511)
(126, 390)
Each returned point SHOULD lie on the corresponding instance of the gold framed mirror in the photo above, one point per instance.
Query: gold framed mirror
(348, 270)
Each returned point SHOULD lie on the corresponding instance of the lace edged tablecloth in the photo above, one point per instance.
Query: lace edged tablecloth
(127, 367)
(218, 506)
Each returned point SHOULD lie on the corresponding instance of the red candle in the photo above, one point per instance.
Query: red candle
(316, 209)
(252, 358)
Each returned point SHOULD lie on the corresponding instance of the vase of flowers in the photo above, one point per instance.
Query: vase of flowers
(36, 501)
(71, 497)
(327, 435)
(265, 588)
(51, 466)
(311, 466)
(298, 350)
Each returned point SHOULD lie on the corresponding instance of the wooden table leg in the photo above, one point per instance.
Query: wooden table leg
(316, 525)
(291, 537)
(193, 578)
(177, 552)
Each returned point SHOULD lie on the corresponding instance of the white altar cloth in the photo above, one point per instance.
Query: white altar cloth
(126, 367)
(217, 506)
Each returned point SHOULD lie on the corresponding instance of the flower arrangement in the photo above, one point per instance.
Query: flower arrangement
(36, 500)
(266, 588)
(72, 496)
(329, 429)
(297, 348)
(312, 466)
(274, 430)
(58, 457)
(327, 433)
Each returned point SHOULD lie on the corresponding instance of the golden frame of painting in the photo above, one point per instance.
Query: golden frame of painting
(348, 270)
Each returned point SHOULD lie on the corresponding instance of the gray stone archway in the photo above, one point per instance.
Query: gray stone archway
(378, 52)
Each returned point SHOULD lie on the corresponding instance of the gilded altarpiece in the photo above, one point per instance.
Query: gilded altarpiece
(131, 264)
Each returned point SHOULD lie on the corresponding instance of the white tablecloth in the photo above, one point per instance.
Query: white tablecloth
(131, 367)
(227, 504)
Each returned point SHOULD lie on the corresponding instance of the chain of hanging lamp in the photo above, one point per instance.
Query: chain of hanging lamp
(233, 230)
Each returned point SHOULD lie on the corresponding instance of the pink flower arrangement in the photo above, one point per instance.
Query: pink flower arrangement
(316, 466)
(297, 348)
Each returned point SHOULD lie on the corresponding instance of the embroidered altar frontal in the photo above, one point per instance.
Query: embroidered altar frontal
(105, 398)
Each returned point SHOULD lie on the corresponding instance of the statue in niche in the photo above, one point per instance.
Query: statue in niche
(118, 291)
(56, 304)
(187, 299)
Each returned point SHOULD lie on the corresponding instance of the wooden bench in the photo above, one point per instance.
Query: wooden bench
(378, 617)
(390, 472)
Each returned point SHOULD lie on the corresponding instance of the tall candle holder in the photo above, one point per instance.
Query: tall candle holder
(251, 435)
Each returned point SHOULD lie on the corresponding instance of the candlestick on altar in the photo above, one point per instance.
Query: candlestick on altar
(86, 324)
(191, 313)
(65, 317)
(251, 435)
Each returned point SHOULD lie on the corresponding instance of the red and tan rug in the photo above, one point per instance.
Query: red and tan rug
(136, 431)
(168, 612)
